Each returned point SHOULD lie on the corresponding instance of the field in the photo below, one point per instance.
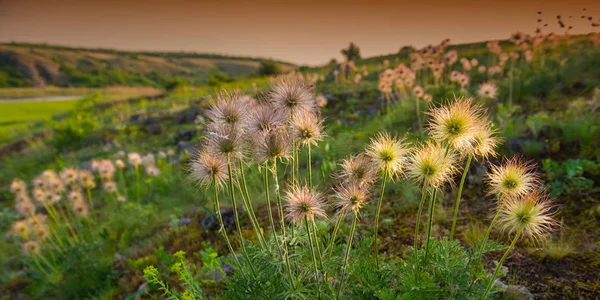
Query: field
(423, 174)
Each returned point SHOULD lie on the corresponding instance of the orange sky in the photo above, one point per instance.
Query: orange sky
(307, 32)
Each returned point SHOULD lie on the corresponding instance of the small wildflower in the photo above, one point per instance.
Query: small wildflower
(529, 214)
(431, 165)
(207, 168)
(290, 95)
(31, 248)
(388, 153)
(303, 203)
(307, 128)
(455, 123)
(351, 197)
(514, 178)
(358, 169)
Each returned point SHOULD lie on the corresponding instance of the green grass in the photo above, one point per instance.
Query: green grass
(17, 115)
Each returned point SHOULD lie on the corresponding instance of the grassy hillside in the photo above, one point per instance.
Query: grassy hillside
(23, 65)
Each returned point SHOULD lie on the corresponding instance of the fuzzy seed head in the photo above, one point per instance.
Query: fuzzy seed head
(484, 142)
(307, 128)
(351, 197)
(68, 176)
(17, 186)
(225, 142)
(303, 203)
(264, 119)
(273, 145)
(31, 248)
(358, 169)
(291, 95)
(229, 110)
(455, 123)
(431, 165)
(488, 90)
(530, 214)
(134, 159)
(388, 153)
(207, 168)
(513, 178)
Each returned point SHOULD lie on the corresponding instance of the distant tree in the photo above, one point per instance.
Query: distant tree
(175, 84)
(333, 61)
(407, 49)
(352, 53)
(269, 67)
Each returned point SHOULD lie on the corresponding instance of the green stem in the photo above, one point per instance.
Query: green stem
(421, 204)
(37, 263)
(248, 205)
(312, 249)
(512, 245)
(347, 256)
(266, 182)
(282, 221)
(89, 194)
(235, 213)
(430, 221)
(376, 229)
(460, 189)
(419, 113)
(221, 224)
(487, 234)
(318, 246)
(310, 182)
(137, 183)
(335, 230)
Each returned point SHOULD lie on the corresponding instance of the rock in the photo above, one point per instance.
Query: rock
(517, 292)
(188, 115)
(185, 135)
(152, 126)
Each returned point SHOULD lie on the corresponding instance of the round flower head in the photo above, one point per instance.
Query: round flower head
(263, 119)
(514, 178)
(148, 160)
(55, 185)
(42, 232)
(86, 179)
(351, 197)
(134, 159)
(207, 168)
(388, 153)
(120, 164)
(106, 169)
(49, 175)
(530, 214)
(358, 169)
(303, 203)
(38, 220)
(290, 95)
(38, 194)
(321, 101)
(307, 128)
(229, 111)
(22, 196)
(431, 165)
(152, 170)
(110, 186)
(455, 123)
(273, 145)
(488, 90)
(80, 209)
(484, 142)
(18, 186)
(25, 208)
(75, 196)
(418, 91)
(451, 57)
(68, 176)
(225, 142)
(20, 228)
(31, 248)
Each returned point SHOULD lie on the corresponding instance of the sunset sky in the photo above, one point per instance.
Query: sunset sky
(307, 32)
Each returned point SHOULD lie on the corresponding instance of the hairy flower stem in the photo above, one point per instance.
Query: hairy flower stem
(418, 100)
(271, 222)
(487, 234)
(221, 224)
(376, 228)
(282, 221)
(66, 219)
(347, 256)
(316, 237)
(248, 204)
(430, 221)
(421, 204)
(312, 249)
(335, 230)
(510, 89)
(137, 183)
(460, 189)
(236, 215)
(512, 245)
(310, 182)
(89, 194)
